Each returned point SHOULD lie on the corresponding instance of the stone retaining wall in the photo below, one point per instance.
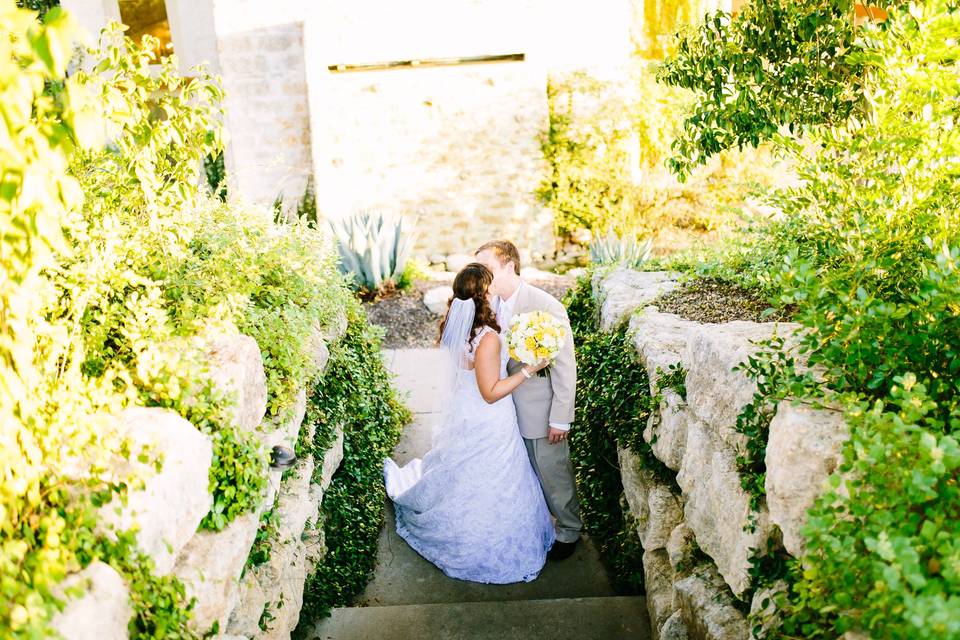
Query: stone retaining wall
(694, 532)
(171, 504)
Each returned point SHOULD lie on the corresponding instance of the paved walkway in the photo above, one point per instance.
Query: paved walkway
(410, 598)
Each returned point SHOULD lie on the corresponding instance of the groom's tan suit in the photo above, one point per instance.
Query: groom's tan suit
(543, 402)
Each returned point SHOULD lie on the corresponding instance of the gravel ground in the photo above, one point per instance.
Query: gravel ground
(409, 324)
(708, 300)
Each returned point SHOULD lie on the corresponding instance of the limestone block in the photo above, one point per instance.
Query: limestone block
(674, 628)
(236, 368)
(624, 290)
(436, 299)
(804, 448)
(658, 581)
(667, 429)
(331, 460)
(457, 261)
(252, 597)
(708, 608)
(715, 391)
(103, 610)
(295, 504)
(210, 567)
(661, 339)
(716, 508)
(173, 501)
(286, 608)
(317, 346)
(336, 328)
(655, 506)
(681, 548)
(292, 553)
(284, 429)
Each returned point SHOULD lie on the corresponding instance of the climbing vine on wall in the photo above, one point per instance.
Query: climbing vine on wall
(355, 392)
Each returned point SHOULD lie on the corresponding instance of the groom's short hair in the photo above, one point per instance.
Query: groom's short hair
(505, 251)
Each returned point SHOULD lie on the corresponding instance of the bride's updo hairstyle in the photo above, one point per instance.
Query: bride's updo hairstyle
(473, 282)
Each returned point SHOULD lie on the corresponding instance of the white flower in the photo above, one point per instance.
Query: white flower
(535, 336)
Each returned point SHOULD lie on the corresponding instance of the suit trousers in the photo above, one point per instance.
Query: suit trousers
(555, 471)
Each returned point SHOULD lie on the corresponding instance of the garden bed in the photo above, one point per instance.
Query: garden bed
(716, 301)
(408, 324)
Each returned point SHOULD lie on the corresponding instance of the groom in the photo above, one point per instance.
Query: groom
(544, 405)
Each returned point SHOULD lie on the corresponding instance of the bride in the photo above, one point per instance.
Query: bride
(473, 506)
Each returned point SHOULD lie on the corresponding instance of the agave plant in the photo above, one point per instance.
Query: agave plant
(614, 249)
(374, 247)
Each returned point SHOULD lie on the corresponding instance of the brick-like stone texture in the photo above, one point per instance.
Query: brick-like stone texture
(457, 146)
(268, 112)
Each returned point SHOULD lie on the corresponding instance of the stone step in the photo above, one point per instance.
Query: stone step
(611, 618)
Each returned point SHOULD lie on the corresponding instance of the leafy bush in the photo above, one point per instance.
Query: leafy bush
(605, 148)
(777, 64)
(354, 393)
(118, 268)
(866, 248)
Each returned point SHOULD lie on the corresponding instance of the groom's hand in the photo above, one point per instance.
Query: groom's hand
(555, 436)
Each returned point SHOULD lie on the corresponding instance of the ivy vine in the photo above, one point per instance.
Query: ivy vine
(355, 393)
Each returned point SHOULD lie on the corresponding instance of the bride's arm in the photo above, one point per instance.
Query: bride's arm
(487, 367)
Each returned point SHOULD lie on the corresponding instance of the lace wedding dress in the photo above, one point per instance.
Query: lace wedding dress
(473, 506)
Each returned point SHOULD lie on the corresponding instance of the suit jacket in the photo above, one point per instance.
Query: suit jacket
(542, 400)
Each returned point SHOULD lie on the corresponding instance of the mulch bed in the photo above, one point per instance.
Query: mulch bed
(409, 324)
(708, 300)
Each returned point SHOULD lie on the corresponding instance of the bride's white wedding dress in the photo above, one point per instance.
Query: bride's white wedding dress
(473, 506)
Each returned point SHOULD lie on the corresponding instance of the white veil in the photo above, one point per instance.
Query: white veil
(453, 342)
(456, 330)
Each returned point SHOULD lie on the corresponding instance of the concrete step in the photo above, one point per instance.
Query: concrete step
(402, 577)
(611, 618)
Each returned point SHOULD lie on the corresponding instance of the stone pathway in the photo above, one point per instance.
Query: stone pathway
(410, 598)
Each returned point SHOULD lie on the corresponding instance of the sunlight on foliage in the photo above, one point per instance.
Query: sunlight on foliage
(606, 147)
(866, 248)
(118, 269)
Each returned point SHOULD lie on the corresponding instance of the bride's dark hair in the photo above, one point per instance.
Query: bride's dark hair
(473, 282)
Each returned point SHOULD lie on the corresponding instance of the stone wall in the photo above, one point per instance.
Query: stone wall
(171, 504)
(457, 146)
(267, 112)
(694, 528)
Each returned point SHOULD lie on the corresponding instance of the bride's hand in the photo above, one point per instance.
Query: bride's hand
(534, 368)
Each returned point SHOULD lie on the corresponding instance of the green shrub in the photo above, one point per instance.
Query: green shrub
(111, 290)
(605, 147)
(883, 551)
(354, 393)
(776, 65)
(866, 249)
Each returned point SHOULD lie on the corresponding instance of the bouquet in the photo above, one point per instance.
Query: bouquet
(535, 336)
